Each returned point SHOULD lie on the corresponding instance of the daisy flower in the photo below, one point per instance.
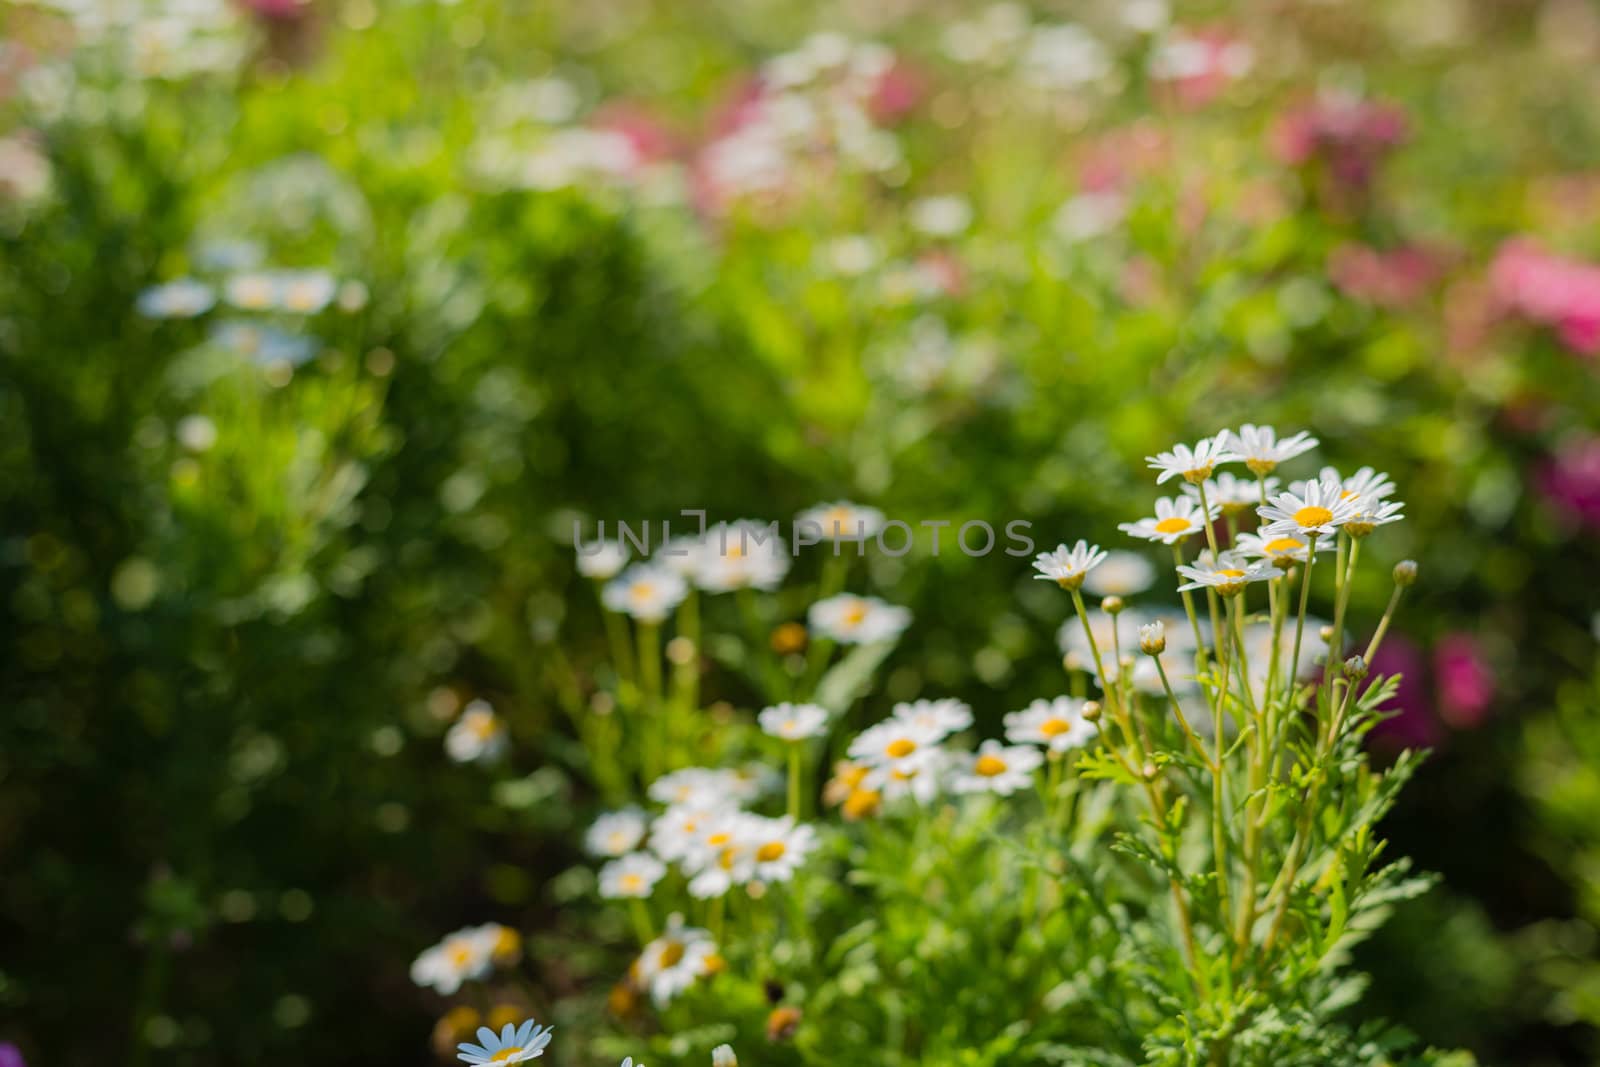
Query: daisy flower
(672, 962)
(1176, 518)
(919, 777)
(778, 847)
(181, 299)
(1068, 567)
(940, 718)
(843, 521)
(1194, 465)
(1153, 638)
(1120, 574)
(857, 620)
(1318, 510)
(794, 722)
(1282, 551)
(1365, 482)
(1228, 574)
(677, 832)
(602, 559)
(894, 742)
(997, 768)
(477, 736)
(1372, 513)
(616, 832)
(306, 292)
(513, 1044)
(633, 875)
(254, 291)
(645, 591)
(1261, 450)
(1056, 724)
(740, 555)
(1232, 495)
(464, 956)
(710, 788)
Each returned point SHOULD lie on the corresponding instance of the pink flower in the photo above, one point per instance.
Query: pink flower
(1412, 724)
(1464, 680)
(1570, 480)
(647, 135)
(1391, 278)
(1347, 135)
(1551, 290)
(898, 92)
(1198, 64)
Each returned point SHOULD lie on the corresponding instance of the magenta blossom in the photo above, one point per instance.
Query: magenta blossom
(10, 1055)
(1413, 724)
(1464, 680)
(1551, 290)
(1392, 278)
(1347, 135)
(1570, 480)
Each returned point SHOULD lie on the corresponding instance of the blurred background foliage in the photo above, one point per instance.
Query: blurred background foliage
(251, 564)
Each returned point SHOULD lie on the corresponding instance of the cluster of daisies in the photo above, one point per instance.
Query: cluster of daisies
(743, 554)
(1290, 521)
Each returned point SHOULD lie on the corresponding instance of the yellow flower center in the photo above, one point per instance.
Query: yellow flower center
(1053, 727)
(301, 296)
(717, 839)
(900, 747)
(1172, 524)
(855, 614)
(1230, 573)
(482, 726)
(631, 883)
(989, 766)
(770, 851)
(1312, 515)
(460, 955)
(642, 592)
(1279, 546)
(671, 953)
(725, 860)
(505, 1054)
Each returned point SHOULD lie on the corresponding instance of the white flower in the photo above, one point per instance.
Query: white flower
(1372, 513)
(633, 875)
(464, 956)
(1230, 494)
(843, 521)
(514, 1044)
(997, 768)
(777, 848)
(722, 1056)
(616, 833)
(181, 299)
(919, 777)
(1283, 550)
(1228, 574)
(704, 787)
(857, 620)
(305, 292)
(940, 216)
(1261, 450)
(672, 962)
(1153, 638)
(602, 559)
(739, 555)
(1176, 518)
(1121, 574)
(1318, 510)
(478, 735)
(938, 718)
(1193, 465)
(197, 433)
(1366, 482)
(645, 591)
(252, 291)
(680, 831)
(894, 743)
(1056, 724)
(1068, 567)
(794, 722)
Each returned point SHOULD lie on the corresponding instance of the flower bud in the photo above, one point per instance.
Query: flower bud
(1326, 633)
(1112, 605)
(1153, 638)
(1091, 710)
(1150, 770)
(1355, 668)
(1405, 573)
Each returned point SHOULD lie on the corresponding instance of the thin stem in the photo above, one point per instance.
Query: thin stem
(794, 780)
(1177, 709)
